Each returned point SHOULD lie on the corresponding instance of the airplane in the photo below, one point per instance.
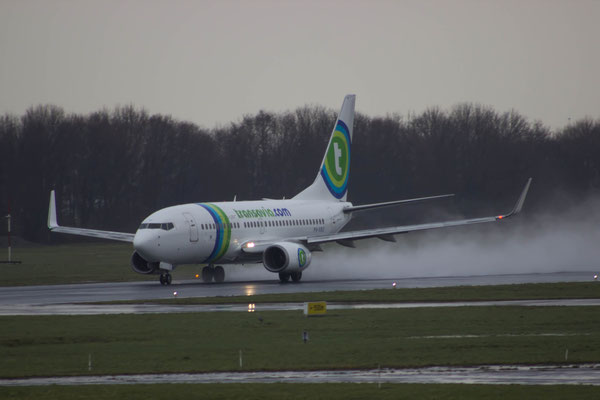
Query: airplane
(282, 234)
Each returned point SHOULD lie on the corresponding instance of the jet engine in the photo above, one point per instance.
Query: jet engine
(286, 256)
(142, 266)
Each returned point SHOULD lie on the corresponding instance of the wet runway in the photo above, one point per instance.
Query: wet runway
(581, 374)
(97, 309)
(100, 292)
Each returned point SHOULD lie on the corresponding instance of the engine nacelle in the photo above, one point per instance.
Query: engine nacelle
(142, 266)
(286, 256)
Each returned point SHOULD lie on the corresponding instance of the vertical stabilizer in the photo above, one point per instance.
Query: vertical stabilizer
(332, 180)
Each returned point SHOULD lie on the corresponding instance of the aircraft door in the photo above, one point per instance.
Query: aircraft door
(193, 227)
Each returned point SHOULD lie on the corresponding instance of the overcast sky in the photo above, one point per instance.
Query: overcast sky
(211, 62)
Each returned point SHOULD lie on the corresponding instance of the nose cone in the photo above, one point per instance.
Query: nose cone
(146, 244)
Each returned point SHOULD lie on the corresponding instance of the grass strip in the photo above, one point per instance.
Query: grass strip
(528, 291)
(74, 263)
(344, 339)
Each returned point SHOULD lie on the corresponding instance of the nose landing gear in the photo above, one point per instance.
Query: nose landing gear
(165, 278)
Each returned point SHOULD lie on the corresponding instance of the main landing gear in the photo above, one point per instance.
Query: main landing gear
(285, 277)
(210, 273)
(165, 278)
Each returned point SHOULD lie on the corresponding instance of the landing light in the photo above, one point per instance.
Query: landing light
(596, 277)
(250, 245)
(394, 285)
(251, 307)
(174, 294)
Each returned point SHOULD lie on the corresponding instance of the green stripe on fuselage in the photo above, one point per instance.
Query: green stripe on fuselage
(225, 232)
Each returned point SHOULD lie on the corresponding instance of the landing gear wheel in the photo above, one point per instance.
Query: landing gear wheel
(283, 277)
(165, 278)
(219, 274)
(296, 276)
(207, 274)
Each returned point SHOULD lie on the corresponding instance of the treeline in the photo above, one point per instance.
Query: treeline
(112, 168)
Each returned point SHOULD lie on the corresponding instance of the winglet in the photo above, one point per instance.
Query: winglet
(52, 222)
(519, 205)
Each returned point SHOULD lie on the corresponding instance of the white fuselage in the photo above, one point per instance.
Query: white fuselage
(208, 233)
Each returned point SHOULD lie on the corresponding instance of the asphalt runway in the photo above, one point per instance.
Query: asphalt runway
(149, 290)
(579, 374)
(100, 309)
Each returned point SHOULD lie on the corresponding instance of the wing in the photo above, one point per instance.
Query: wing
(54, 227)
(347, 238)
(393, 203)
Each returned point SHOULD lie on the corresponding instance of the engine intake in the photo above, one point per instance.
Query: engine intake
(286, 256)
(141, 266)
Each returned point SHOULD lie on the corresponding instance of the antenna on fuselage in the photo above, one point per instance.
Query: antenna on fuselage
(234, 197)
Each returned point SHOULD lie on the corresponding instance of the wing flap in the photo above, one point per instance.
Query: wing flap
(387, 232)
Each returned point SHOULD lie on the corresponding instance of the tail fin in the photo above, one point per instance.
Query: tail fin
(332, 180)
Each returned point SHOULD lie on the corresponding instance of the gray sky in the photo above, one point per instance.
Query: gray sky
(210, 62)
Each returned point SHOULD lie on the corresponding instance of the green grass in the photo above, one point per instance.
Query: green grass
(528, 291)
(301, 391)
(59, 345)
(76, 263)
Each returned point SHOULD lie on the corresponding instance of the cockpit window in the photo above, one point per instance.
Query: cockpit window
(164, 226)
